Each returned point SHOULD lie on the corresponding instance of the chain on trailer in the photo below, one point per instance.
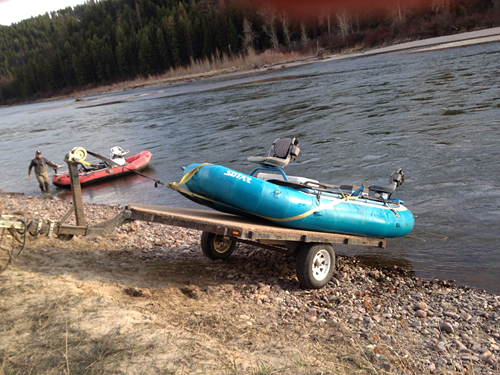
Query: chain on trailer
(12, 237)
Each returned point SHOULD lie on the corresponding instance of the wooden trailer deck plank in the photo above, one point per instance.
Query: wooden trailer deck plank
(238, 226)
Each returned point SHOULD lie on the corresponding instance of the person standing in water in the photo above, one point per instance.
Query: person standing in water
(40, 163)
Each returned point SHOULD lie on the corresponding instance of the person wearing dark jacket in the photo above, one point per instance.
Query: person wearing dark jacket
(39, 163)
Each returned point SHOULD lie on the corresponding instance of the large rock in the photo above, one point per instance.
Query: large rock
(440, 347)
(420, 306)
(446, 327)
(451, 315)
(420, 314)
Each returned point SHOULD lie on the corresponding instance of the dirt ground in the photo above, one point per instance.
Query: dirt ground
(103, 310)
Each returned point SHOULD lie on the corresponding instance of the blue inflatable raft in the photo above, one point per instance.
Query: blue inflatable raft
(295, 202)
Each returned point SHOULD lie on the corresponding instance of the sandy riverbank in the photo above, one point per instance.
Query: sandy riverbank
(145, 300)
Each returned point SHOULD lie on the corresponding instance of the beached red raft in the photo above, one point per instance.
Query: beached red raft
(136, 162)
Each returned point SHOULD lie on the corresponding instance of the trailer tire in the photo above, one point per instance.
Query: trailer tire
(215, 246)
(65, 237)
(315, 265)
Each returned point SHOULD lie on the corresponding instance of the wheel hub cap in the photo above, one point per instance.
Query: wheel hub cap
(321, 264)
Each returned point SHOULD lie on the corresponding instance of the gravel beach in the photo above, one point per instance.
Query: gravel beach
(154, 278)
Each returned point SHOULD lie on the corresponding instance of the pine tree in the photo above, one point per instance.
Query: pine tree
(185, 34)
(146, 53)
(163, 50)
(122, 52)
(172, 39)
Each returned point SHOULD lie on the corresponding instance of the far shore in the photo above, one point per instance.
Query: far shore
(416, 46)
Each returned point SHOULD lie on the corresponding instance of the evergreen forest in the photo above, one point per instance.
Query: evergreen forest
(107, 41)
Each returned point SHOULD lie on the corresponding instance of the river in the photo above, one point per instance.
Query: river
(435, 114)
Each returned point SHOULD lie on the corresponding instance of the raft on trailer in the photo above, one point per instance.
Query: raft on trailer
(116, 166)
(297, 202)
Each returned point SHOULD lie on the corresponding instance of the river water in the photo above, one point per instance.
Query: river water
(435, 114)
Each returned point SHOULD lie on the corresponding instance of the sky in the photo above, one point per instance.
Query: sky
(13, 11)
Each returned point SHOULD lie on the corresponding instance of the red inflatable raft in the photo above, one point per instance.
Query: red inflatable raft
(134, 163)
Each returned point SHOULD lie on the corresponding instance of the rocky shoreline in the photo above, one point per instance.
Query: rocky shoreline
(398, 323)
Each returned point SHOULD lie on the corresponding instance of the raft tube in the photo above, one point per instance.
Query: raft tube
(229, 191)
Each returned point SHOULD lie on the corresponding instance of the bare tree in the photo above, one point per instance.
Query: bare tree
(303, 34)
(398, 13)
(285, 27)
(344, 23)
(138, 14)
(248, 35)
(441, 6)
(325, 18)
(269, 16)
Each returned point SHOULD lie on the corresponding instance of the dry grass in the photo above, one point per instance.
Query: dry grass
(58, 317)
(222, 63)
(204, 68)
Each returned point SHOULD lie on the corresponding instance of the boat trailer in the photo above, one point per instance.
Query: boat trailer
(220, 232)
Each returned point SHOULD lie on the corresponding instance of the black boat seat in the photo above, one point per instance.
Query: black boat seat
(396, 179)
(282, 151)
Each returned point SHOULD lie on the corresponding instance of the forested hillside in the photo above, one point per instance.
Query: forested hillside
(108, 41)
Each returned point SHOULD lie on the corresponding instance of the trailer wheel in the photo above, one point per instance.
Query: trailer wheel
(315, 264)
(215, 246)
(65, 237)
